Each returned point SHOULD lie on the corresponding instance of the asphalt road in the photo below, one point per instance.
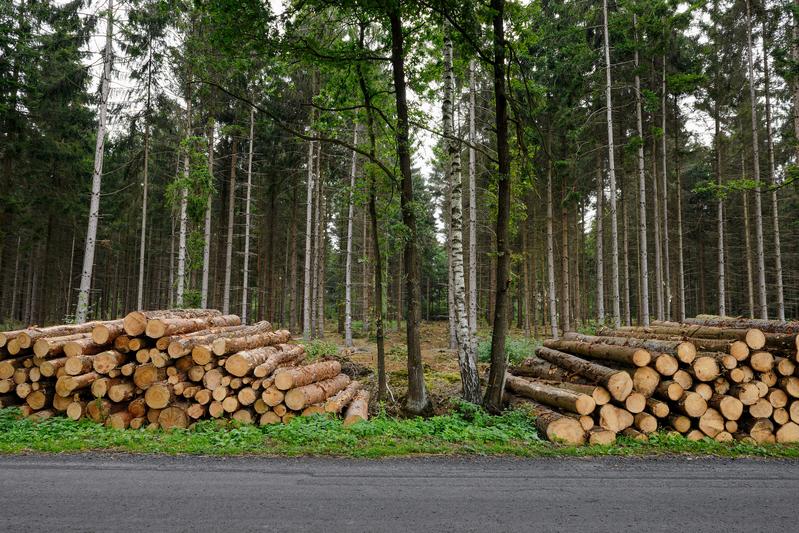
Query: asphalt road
(114, 493)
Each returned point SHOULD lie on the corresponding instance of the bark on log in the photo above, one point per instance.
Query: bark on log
(605, 352)
(47, 347)
(66, 385)
(301, 397)
(619, 384)
(181, 345)
(342, 398)
(223, 346)
(106, 361)
(548, 395)
(358, 409)
(162, 327)
(135, 323)
(552, 425)
(682, 350)
(269, 357)
(305, 375)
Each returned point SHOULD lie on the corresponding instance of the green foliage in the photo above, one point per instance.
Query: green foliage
(319, 348)
(517, 349)
(468, 430)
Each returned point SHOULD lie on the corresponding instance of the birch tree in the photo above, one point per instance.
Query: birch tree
(472, 208)
(466, 357)
(82, 311)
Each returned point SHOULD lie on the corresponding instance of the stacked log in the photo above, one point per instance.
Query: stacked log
(711, 377)
(169, 369)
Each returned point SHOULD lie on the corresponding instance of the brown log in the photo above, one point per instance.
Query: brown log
(761, 409)
(160, 394)
(23, 390)
(301, 397)
(790, 385)
(761, 361)
(85, 346)
(247, 396)
(313, 410)
(534, 367)
(242, 363)
(342, 399)
(212, 379)
(760, 429)
(6, 336)
(682, 350)
(292, 355)
(268, 418)
(780, 416)
(65, 385)
(60, 403)
(741, 374)
(552, 425)
(634, 434)
(280, 410)
(711, 422)
(108, 360)
(666, 364)
(78, 365)
(705, 368)
(601, 437)
(777, 398)
(784, 366)
(619, 384)
(223, 346)
(273, 396)
(119, 420)
(691, 404)
(614, 418)
(76, 410)
(657, 408)
(260, 407)
(645, 380)
(788, 433)
(28, 337)
(230, 404)
(770, 326)
(215, 409)
(98, 410)
(135, 323)
(290, 378)
(746, 392)
(244, 416)
(683, 378)
(162, 327)
(49, 368)
(670, 390)
(605, 352)
(730, 407)
(181, 345)
(695, 435)
(546, 394)
(146, 375)
(172, 417)
(39, 399)
(721, 385)
(121, 391)
(48, 347)
(739, 350)
(680, 423)
(704, 390)
(645, 423)
(8, 366)
(635, 402)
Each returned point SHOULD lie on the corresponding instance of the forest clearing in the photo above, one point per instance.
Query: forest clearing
(573, 224)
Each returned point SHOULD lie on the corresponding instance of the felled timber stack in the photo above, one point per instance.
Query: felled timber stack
(711, 377)
(168, 369)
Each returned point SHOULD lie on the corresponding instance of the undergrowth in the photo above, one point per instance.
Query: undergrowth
(317, 349)
(517, 349)
(467, 431)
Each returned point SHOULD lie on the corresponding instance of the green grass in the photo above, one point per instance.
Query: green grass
(517, 349)
(318, 348)
(468, 431)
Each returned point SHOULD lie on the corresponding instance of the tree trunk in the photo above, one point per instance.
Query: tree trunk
(617, 382)
(472, 208)
(600, 252)
(553, 309)
(749, 286)
(665, 198)
(145, 186)
(417, 401)
(348, 267)
(82, 311)
(231, 219)
(678, 178)
(643, 311)
(614, 232)
(467, 358)
(775, 211)
(761, 267)
(499, 362)
(307, 272)
(207, 228)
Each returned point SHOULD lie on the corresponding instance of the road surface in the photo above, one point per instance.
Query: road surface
(116, 492)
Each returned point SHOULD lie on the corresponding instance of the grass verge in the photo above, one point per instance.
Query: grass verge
(469, 431)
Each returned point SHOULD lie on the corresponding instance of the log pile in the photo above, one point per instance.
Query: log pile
(168, 369)
(711, 377)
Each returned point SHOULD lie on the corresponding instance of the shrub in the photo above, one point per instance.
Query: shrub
(517, 349)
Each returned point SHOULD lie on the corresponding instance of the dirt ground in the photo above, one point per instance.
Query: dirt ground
(440, 363)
